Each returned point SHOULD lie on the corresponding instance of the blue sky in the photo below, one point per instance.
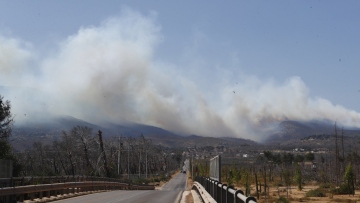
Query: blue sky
(231, 58)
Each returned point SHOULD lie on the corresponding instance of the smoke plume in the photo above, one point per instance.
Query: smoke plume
(109, 73)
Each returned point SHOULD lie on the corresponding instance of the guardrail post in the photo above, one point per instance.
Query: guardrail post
(21, 198)
(229, 195)
(22, 181)
(73, 189)
(238, 200)
(12, 182)
(32, 196)
(92, 185)
(41, 195)
(77, 189)
(214, 190)
(64, 190)
(250, 198)
(65, 180)
(47, 194)
(223, 193)
(206, 186)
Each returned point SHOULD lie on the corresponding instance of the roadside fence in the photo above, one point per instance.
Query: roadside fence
(22, 188)
(222, 193)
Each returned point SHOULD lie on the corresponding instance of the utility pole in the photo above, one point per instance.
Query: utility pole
(192, 166)
(146, 165)
(140, 163)
(119, 155)
(129, 161)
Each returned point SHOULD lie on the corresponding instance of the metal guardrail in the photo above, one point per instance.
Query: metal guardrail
(13, 189)
(223, 193)
(205, 196)
(30, 180)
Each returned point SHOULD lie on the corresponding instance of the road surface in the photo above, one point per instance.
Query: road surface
(169, 193)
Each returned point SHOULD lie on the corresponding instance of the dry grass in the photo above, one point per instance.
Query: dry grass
(295, 195)
(189, 181)
(189, 198)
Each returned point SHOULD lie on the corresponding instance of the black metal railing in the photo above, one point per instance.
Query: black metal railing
(223, 193)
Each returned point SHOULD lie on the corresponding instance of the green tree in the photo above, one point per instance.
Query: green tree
(5, 149)
(277, 159)
(237, 175)
(287, 158)
(349, 177)
(6, 119)
(245, 178)
(309, 156)
(6, 124)
(299, 158)
(298, 176)
(287, 178)
(230, 178)
(268, 155)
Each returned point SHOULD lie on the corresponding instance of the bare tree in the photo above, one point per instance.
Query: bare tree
(103, 154)
(67, 146)
(84, 135)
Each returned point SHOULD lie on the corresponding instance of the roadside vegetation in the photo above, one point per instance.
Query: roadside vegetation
(84, 151)
(269, 175)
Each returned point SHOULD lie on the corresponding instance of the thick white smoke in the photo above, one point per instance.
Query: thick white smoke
(108, 73)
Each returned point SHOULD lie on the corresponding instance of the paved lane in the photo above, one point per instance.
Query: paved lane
(169, 193)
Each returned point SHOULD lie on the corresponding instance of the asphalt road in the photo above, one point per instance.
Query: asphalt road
(169, 193)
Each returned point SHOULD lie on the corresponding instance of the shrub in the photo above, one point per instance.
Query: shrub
(282, 200)
(141, 181)
(315, 193)
(325, 185)
(343, 190)
(279, 184)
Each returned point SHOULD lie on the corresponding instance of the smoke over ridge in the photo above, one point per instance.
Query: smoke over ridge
(109, 72)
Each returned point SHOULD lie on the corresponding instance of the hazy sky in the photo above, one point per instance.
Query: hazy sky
(207, 67)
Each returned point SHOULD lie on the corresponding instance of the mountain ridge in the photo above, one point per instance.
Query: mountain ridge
(52, 128)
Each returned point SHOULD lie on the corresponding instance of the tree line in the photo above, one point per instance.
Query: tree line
(83, 151)
(80, 151)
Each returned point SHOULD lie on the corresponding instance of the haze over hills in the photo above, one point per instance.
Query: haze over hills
(296, 130)
(47, 131)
